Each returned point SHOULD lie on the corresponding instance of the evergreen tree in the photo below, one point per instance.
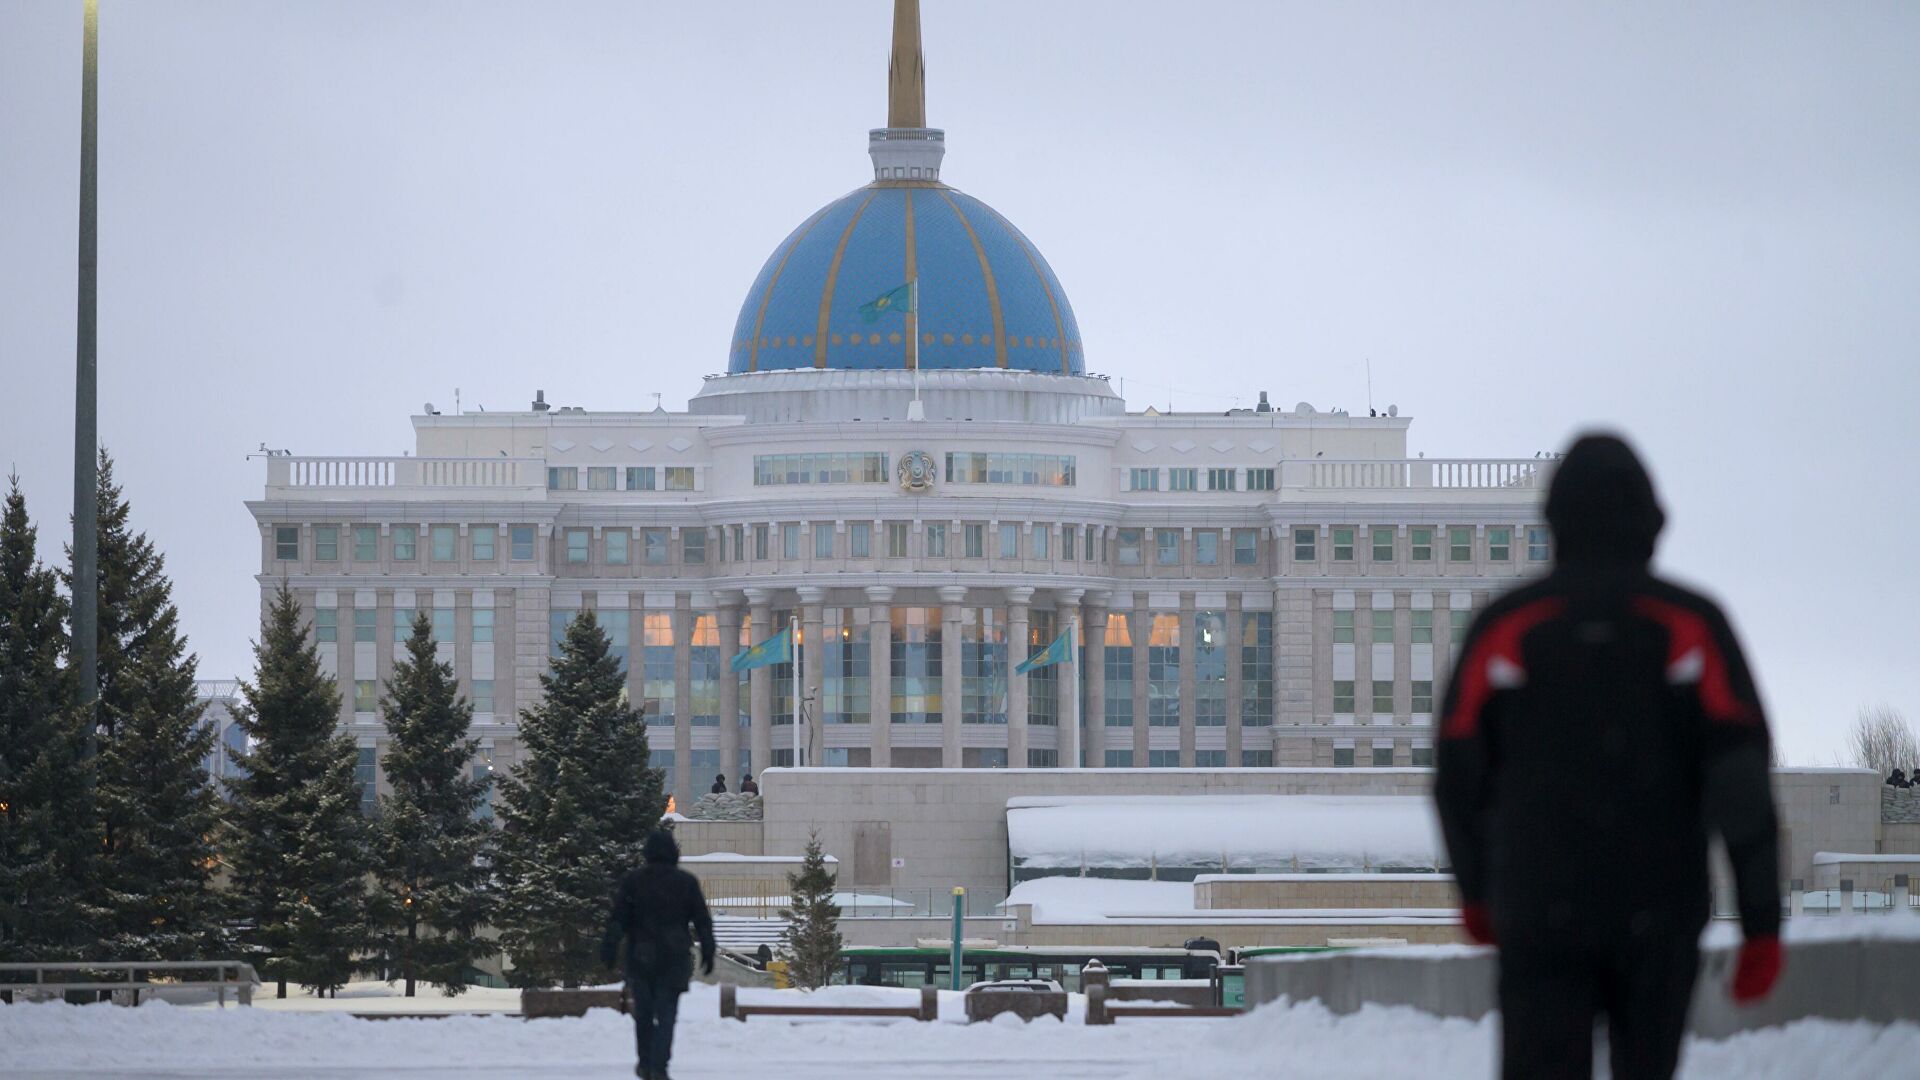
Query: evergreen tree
(574, 813)
(813, 921)
(47, 851)
(297, 842)
(156, 804)
(429, 841)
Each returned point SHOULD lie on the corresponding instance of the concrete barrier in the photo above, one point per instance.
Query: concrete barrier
(985, 1004)
(535, 1004)
(1867, 979)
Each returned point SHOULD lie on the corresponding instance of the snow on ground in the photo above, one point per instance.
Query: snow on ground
(45, 1042)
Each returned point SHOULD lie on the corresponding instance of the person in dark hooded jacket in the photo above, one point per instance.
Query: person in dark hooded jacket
(1596, 893)
(658, 911)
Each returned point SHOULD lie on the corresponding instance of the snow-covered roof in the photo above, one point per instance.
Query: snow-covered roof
(1823, 858)
(1300, 832)
(730, 857)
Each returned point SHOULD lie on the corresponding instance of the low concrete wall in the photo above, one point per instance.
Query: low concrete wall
(1841, 980)
(710, 837)
(1217, 892)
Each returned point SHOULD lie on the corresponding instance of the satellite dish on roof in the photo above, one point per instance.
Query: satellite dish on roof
(1303, 407)
(1393, 410)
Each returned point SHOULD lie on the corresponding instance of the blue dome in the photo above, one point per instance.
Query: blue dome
(988, 299)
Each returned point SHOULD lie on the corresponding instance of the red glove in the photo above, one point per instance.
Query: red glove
(1757, 970)
(1478, 923)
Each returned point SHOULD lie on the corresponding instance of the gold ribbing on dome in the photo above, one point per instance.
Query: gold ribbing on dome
(906, 69)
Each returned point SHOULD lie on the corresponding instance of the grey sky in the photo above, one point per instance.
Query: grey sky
(1699, 223)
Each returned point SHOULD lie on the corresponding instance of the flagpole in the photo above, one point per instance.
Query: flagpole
(799, 680)
(1073, 661)
(915, 411)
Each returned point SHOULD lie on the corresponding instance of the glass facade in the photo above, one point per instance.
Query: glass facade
(862, 468)
(1210, 669)
(1029, 470)
(1163, 671)
(914, 680)
(845, 668)
(706, 661)
(1043, 695)
(658, 691)
(1256, 668)
(1117, 670)
(983, 666)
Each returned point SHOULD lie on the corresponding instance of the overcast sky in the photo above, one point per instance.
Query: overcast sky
(1697, 223)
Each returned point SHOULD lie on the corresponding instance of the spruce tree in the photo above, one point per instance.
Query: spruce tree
(574, 813)
(157, 807)
(430, 890)
(297, 843)
(48, 848)
(813, 921)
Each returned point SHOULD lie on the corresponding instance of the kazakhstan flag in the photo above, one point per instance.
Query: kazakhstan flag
(1059, 652)
(777, 649)
(898, 299)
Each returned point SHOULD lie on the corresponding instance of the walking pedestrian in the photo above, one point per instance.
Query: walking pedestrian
(659, 911)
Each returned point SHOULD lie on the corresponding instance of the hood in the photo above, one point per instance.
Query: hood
(661, 847)
(1601, 504)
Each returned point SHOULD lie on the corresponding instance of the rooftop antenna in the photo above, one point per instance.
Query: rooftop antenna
(1370, 411)
(456, 401)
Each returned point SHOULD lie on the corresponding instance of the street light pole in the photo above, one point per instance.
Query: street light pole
(86, 437)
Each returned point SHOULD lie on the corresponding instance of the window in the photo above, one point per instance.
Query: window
(444, 543)
(1129, 547)
(1343, 544)
(826, 468)
(1246, 547)
(1163, 670)
(1256, 759)
(1163, 759)
(1117, 666)
(760, 542)
(1420, 544)
(1210, 669)
(1303, 545)
(483, 695)
(1499, 544)
(1009, 541)
(1383, 757)
(640, 478)
(365, 779)
(1119, 759)
(1206, 548)
(1042, 537)
(1028, 470)
(1382, 543)
(1256, 668)
(914, 659)
(739, 544)
(618, 543)
(1422, 695)
(366, 543)
(482, 626)
(1460, 545)
(936, 540)
(822, 540)
(1166, 547)
(601, 477)
(679, 477)
(326, 543)
(567, 479)
(558, 619)
(1343, 695)
(896, 539)
(406, 541)
(1537, 547)
(1183, 479)
(365, 695)
(1382, 625)
(483, 537)
(1422, 626)
(1423, 757)
(616, 623)
(1144, 480)
(1210, 759)
(976, 536)
(1458, 620)
(653, 543)
(693, 546)
(1043, 759)
(1383, 696)
(286, 542)
(1220, 479)
(790, 540)
(983, 666)
(1260, 479)
(1089, 535)
(326, 624)
(520, 537)
(365, 625)
(577, 540)
(1343, 627)
(441, 625)
(1343, 757)
(1069, 541)
(860, 540)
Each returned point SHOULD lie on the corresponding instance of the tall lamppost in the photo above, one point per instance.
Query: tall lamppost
(86, 438)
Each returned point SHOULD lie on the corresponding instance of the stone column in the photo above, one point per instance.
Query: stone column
(1189, 646)
(760, 685)
(1094, 723)
(951, 598)
(880, 673)
(683, 780)
(1072, 738)
(1140, 623)
(813, 637)
(1293, 673)
(1017, 649)
(727, 620)
(1235, 677)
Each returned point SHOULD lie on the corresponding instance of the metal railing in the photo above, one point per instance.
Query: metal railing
(243, 979)
(307, 473)
(761, 898)
(1446, 473)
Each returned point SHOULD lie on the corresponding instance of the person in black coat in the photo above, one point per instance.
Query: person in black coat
(658, 911)
(719, 785)
(1596, 892)
(748, 786)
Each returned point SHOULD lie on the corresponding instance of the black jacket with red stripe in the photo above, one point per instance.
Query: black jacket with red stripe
(1599, 724)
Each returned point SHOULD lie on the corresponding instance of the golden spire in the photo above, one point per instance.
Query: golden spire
(906, 69)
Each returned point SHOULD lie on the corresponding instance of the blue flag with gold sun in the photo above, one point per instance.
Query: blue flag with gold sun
(777, 649)
(899, 298)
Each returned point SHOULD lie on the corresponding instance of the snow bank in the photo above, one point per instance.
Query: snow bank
(1336, 832)
(1080, 900)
